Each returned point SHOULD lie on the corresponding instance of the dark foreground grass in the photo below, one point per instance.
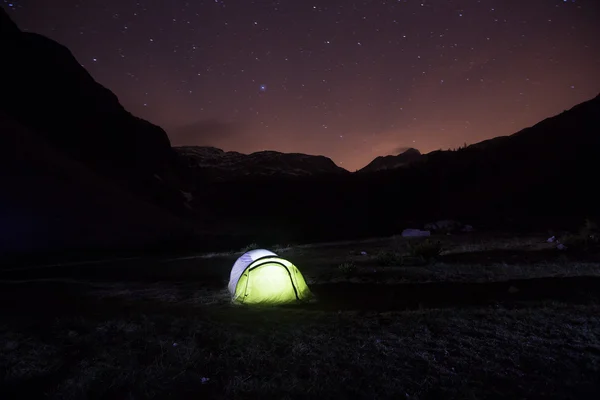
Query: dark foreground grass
(441, 331)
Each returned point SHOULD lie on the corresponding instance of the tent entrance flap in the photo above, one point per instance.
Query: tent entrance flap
(291, 278)
(269, 283)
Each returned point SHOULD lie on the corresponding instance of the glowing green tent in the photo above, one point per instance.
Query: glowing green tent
(261, 277)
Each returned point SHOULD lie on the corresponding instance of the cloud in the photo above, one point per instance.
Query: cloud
(209, 132)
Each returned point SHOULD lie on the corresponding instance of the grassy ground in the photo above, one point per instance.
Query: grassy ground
(493, 317)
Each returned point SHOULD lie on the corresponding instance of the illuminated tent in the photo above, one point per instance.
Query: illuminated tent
(261, 277)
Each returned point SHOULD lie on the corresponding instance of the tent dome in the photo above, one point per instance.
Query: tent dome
(261, 277)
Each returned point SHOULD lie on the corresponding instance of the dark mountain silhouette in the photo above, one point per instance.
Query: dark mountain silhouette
(80, 171)
(212, 164)
(391, 162)
(7, 26)
(45, 89)
(52, 202)
(541, 177)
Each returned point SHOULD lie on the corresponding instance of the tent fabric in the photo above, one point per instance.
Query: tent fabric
(242, 263)
(261, 277)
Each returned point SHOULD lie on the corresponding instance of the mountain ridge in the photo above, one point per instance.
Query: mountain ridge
(393, 161)
(207, 157)
(213, 163)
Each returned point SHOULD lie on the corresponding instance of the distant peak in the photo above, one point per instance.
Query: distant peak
(411, 151)
(405, 157)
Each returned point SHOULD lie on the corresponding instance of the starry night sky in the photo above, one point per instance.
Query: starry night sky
(347, 79)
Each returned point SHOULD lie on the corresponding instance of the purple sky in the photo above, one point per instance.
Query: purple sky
(347, 79)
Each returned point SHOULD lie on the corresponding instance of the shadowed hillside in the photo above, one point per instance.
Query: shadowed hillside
(50, 202)
(45, 89)
(80, 171)
(540, 177)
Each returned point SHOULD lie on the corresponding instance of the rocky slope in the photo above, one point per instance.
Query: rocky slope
(212, 164)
